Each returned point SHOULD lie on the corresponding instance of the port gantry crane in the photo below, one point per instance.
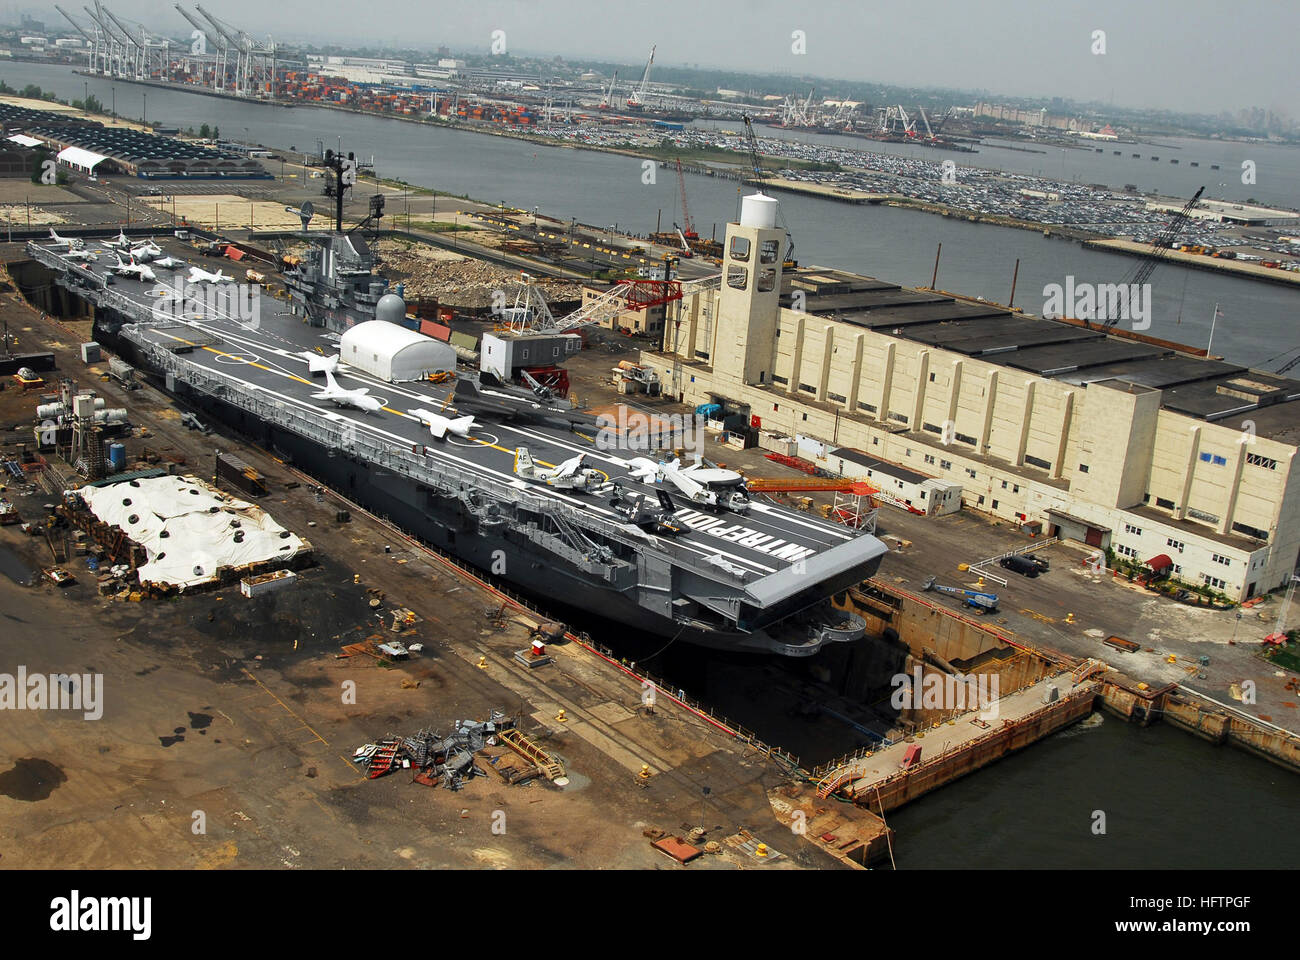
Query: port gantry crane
(756, 164)
(1159, 247)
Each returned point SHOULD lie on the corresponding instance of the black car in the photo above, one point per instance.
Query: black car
(1021, 565)
(1041, 562)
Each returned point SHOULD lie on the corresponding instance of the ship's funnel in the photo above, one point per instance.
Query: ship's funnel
(758, 210)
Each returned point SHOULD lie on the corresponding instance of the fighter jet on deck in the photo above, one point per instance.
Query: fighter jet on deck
(198, 275)
(440, 426)
(358, 398)
(64, 243)
(137, 270)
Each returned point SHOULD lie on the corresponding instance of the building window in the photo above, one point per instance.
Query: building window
(932, 378)
(901, 418)
(836, 397)
(971, 473)
(766, 280)
(1015, 488)
(1250, 531)
(1213, 581)
(1083, 468)
(995, 504)
(805, 416)
(807, 388)
(980, 501)
(739, 248)
(929, 458)
(1226, 561)
(775, 408)
(1162, 502)
(966, 438)
(1129, 528)
(767, 251)
(1219, 461)
(1202, 515)
(1205, 458)
(1004, 484)
(1255, 460)
(869, 407)
(781, 380)
(737, 278)
(945, 464)
(1036, 462)
(1176, 544)
(875, 441)
(930, 427)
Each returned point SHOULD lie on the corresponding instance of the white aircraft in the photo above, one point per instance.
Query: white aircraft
(357, 398)
(84, 256)
(198, 275)
(318, 363)
(168, 263)
(440, 426)
(120, 242)
(146, 251)
(569, 475)
(64, 243)
(133, 269)
(710, 486)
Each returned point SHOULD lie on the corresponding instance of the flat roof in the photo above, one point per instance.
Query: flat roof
(879, 466)
(1201, 387)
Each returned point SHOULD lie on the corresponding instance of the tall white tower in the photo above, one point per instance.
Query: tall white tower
(749, 303)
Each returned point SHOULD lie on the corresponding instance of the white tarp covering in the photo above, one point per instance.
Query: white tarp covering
(188, 529)
(81, 159)
(25, 141)
(392, 352)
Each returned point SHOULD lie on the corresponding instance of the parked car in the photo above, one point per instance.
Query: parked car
(1021, 565)
(1042, 563)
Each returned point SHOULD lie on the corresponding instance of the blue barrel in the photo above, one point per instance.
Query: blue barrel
(93, 564)
(401, 290)
(117, 456)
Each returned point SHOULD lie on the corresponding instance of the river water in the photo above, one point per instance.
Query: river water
(1169, 799)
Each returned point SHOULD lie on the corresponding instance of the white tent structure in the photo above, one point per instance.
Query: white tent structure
(392, 352)
(188, 529)
(79, 159)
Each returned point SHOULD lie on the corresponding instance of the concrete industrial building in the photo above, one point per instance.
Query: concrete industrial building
(1117, 441)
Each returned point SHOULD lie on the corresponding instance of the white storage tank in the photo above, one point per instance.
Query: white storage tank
(758, 210)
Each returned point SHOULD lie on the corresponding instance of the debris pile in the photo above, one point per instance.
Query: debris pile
(448, 760)
(432, 274)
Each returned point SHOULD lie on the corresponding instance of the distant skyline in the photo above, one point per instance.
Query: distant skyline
(1192, 56)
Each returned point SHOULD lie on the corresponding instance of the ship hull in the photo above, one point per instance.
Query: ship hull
(443, 523)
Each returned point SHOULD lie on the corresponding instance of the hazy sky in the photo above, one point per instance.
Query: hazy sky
(1190, 55)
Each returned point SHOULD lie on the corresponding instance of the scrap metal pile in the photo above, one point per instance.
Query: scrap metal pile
(448, 760)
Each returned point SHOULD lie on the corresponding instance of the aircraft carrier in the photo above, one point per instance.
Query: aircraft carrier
(759, 579)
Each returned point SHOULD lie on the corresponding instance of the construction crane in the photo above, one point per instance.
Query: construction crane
(688, 224)
(756, 163)
(1160, 247)
(981, 603)
(637, 99)
(929, 134)
(608, 95)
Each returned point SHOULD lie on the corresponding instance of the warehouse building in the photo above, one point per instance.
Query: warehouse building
(1114, 440)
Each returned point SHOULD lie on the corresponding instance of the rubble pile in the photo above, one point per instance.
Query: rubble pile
(448, 760)
(429, 273)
